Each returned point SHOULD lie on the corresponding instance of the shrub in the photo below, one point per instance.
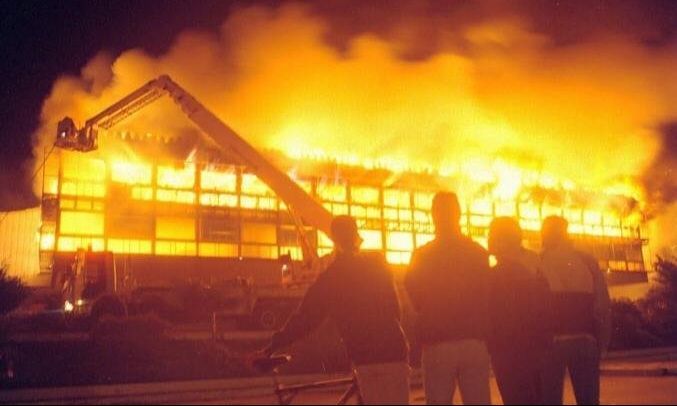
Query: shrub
(12, 292)
(660, 304)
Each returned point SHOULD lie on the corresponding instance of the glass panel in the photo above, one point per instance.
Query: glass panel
(209, 249)
(252, 185)
(399, 240)
(176, 196)
(180, 228)
(126, 246)
(81, 223)
(259, 232)
(259, 251)
(75, 243)
(364, 194)
(218, 199)
(398, 258)
(131, 173)
(372, 239)
(422, 239)
(179, 178)
(332, 192)
(220, 181)
(175, 248)
(75, 166)
(396, 198)
(423, 200)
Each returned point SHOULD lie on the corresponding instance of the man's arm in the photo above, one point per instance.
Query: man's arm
(412, 281)
(308, 316)
(601, 304)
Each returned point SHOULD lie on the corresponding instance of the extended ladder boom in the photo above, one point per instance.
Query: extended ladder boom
(301, 204)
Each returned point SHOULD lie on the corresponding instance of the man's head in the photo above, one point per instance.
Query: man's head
(446, 212)
(554, 232)
(505, 237)
(344, 234)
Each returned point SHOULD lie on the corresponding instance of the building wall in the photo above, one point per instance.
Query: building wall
(207, 211)
(19, 243)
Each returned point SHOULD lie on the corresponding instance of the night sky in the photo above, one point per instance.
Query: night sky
(40, 40)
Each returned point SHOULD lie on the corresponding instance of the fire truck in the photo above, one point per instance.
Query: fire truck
(95, 284)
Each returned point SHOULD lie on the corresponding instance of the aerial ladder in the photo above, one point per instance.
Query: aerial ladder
(304, 209)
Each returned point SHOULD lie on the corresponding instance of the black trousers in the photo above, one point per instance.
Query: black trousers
(580, 356)
(519, 378)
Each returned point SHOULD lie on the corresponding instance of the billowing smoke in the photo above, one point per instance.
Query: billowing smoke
(493, 89)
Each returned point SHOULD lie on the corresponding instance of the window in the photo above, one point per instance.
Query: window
(400, 241)
(396, 198)
(332, 192)
(217, 229)
(210, 249)
(175, 248)
(179, 228)
(125, 246)
(364, 194)
(136, 226)
(259, 233)
(259, 251)
(131, 173)
(219, 181)
(372, 239)
(181, 178)
(67, 243)
(81, 223)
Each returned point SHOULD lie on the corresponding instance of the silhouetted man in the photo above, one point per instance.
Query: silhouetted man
(448, 287)
(520, 334)
(580, 301)
(358, 294)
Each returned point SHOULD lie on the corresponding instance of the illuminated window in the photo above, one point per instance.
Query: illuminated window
(125, 246)
(67, 243)
(259, 251)
(576, 229)
(81, 223)
(135, 226)
(396, 198)
(210, 249)
(372, 239)
(142, 193)
(422, 239)
(324, 241)
(47, 240)
(76, 166)
(259, 233)
(179, 228)
(337, 209)
(573, 215)
(480, 221)
(530, 224)
(364, 194)
(218, 199)
(252, 185)
(401, 241)
(481, 207)
(176, 196)
(219, 229)
(175, 248)
(183, 178)
(295, 251)
(398, 258)
(529, 211)
(332, 192)
(81, 188)
(67, 204)
(548, 210)
(506, 209)
(592, 217)
(423, 200)
(51, 185)
(421, 216)
(131, 173)
(219, 181)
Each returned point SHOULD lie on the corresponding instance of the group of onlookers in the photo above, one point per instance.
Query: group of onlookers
(529, 318)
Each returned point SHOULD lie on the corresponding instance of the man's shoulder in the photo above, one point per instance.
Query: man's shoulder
(474, 247)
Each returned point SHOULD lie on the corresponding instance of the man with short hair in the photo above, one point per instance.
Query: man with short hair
(447, 283)
(581, 307)
(358, 294)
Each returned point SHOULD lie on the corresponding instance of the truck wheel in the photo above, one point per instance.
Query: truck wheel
(108, 306)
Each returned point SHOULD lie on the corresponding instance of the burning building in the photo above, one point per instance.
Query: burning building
(210, 215)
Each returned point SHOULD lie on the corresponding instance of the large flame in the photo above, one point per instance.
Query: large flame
(507, 116)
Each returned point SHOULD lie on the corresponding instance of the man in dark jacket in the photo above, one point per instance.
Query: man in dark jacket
(520, 335)
(580, 302)
(447, 283)
(357, 293)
